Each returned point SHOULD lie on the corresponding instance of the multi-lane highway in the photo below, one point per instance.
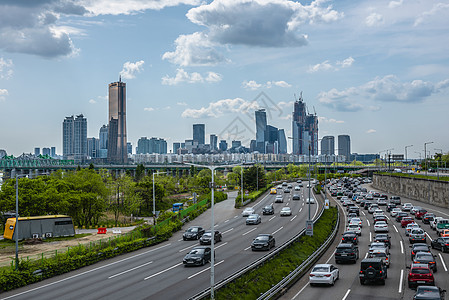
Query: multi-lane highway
(396, 287)
(158, 273)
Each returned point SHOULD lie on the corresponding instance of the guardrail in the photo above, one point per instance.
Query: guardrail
(254, 264)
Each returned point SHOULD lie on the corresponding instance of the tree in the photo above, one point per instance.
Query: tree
(144, 190)
(254, 178)
(140, 172)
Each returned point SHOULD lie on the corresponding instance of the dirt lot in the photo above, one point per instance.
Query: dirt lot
(34, 249)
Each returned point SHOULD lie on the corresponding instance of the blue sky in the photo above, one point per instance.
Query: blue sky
(376, 70)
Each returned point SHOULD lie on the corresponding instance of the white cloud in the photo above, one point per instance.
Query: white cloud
(130, 69)
(394, 4)
(383, 89)
(374, 19)
(195, 77)
(371, 131)
(6, 70)
(327, 66)
(181, 103)
(3, 94)
(437, 8)
(284, 104)
(221, 107)
(92, 101)
(253, 85)
(326, 120)
(148, 109)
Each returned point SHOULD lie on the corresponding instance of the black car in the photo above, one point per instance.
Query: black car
(373, 270)
(367, 204)
(206, 238)
(286, 191)
(426, 258)
(383, 238)
(346, 252)
(441, 243)
(193, 233)
(418, 247)
(354, 209)
(296, 197)
(427, 218)
(350, 237)
(390, 206)
(424, 292)
(263, 242)
(198, 256)
(268, 210)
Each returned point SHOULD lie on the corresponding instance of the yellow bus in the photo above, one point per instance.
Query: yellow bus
(39, 227)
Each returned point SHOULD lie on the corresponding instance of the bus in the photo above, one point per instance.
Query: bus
(273, 191)
(39, 227)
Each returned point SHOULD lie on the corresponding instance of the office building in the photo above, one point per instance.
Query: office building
(344, 146)
(305, 129)
(213, 141)
(93, 147)
(117, 139)
(261, 125)
(328, 145)
(199, 134)
(223, 146)
(103, 142)
(176, 146)
(282, 140)
(74, 138)
(129, 148)
(37, 151)
(53, 152)
(46, 151)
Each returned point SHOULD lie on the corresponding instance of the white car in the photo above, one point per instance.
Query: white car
(381, 226)
(378, 211)
(433, 224)
(323, 274)
(395, 211)
(297, 188)
(378, 215)
(380, 253)
(286, 211)
(372, 208)
(406, 206)
(279, 199)
(414, 209)
(310, 200)
(354, 228)
(248, 211)
(356, 221)
(410, 227)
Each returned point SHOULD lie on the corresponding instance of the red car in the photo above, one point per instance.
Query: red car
(405, 221)
(420, 213)
(420, 274)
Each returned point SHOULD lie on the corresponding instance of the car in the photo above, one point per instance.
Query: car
(415, 209)
(406, 220)
(442, 225)
(428, 217)
(310, 200)
(441, 243)
(420, 274)
(350, 237)
(377, 245)
(372, 208)
(381, 226)
(406, 206)
(354, 228)
(289, 186)
(418, 247)
(193, 233)
(426, 258)
(323, 274)
(356, 220)
(420, 213)
(248, 211)
(383, 238)
(354, 209)
(198, 256)
(206, 238)
(373, 270)
(286, 191)
(401, 215)
(433, 224)
(263, 242)
(284, 183)
(286, 211)
(296, 197)
(352, 215)
(379, 218)
(409, 228)
(417, 235)
(380, 253)
(395, 211)
(390, 206)
(429, 292)
(279, 199)
(253, 219)
(346, 252)
(268, 209)
(395, 199)
(297, 188)
(381, 202)
(279, 187)
(273, 191)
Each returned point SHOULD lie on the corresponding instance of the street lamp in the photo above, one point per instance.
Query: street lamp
(154, 198)
(425, 154)
(406, 152)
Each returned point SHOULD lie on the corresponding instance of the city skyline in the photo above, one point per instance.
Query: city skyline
(376, 71)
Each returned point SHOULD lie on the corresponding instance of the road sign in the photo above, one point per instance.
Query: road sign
(326, 204)
(309, 227)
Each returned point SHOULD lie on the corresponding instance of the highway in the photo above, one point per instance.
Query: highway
(349, 287)
(158, 273)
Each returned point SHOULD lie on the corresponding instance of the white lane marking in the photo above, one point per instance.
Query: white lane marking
(77, 275)
(288, 202)
(293, 218)
(221, 245)
(363, 213)
(216, 226)
(346, 295)
(227, 230)
(191, 276)
(303, 204)
(370, 236)
(179, 240)
(402, 247)
(158, 273)
(428, 236)
(442, 262)
(182, 250)
(300, 209)
(400, 281)
(366, 255)
(387, 217)
(330, 257)
(132, 269)
(300, 291)
(277, 230)
(236, 217)
(247, 248)
(261, 200)
(367, 221)
(394, 226)
(249, 231)
(226, 221)
(271, 218)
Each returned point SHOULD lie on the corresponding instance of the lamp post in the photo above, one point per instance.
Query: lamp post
(406, 152)
(425, 154)
(154, 197)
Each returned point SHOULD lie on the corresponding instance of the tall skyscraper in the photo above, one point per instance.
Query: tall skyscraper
(213, 141)
(176, 146)
(223, 146)
(282, 141)
(68, 137)
(261, 125)
(117, 141)
(344, 146)
(37, 151)
(328, 145)
(93, 147)
(199, 134)
(53, 151)
(74, 138)
(103, 142)
(305, 129)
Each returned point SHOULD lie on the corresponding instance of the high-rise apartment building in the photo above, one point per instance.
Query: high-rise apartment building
(223, 146)
(328, 145)
(305, 129)
(117, 140)
(199, 134)
(103, 142)
(53, 151)
(46, 151)
(74, 138)
(37, 151)
(93, 147)
(261, 125)
(68, 137)
(153, 145)
(213, 141)
(344, 146)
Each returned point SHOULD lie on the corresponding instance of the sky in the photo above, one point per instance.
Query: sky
(375, 70)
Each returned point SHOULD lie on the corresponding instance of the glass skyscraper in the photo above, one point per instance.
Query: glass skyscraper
(304, 129)
(117, 142)
(344, 146)
(199, 133)
(328, 145)
(261, 126)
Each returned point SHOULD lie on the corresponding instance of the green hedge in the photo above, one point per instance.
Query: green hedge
(253, 196)
(257, 281)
